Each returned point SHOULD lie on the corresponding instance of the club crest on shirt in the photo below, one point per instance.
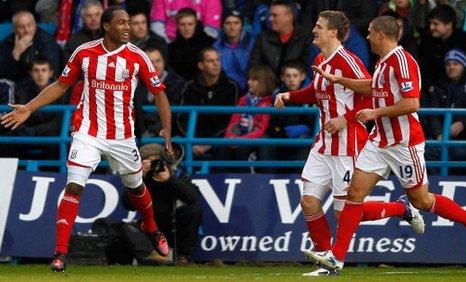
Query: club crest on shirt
(66, 71)
(125, 74)
(406, 86)
(155, 81)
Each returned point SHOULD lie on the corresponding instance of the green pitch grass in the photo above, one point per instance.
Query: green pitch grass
(224, 273)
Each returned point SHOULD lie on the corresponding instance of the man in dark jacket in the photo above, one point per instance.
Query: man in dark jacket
(90, 15)
(210, 88)
(26, 44)
(171, 196)
(441, 38)
(149, 124)
(190, 39)
(284, 42)
(141, 36)
(449, 92)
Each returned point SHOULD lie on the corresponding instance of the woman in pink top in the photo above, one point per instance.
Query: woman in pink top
(163, 16)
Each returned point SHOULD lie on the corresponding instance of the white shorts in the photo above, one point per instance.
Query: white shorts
(122, 155)
(328, 172)
(407, 163)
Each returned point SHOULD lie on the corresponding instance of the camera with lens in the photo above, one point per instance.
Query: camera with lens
(158, 165)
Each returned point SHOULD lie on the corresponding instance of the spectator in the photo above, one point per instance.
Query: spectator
(449, 92)
(441, 38)
(141, 36)
(90, 15)
(149, 124)
(210, 88)
(261, 83)
(190, 39)
(234, 47)
(39, 124)
(26, 44)
(285, 41)
(164, 16)
(173, 198)
(293, 77)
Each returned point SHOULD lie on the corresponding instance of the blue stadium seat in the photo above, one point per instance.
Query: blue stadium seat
(7, 28)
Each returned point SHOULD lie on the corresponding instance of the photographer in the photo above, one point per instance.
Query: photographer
(168, 192)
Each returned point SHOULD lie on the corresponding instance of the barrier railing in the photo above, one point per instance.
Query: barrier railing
(63, 139)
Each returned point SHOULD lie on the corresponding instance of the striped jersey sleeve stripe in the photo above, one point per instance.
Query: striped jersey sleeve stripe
(352, 63)
(86, 45)
(403, 63)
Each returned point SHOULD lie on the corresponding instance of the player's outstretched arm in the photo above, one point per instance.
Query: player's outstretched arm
(161, 102)
(362, 86)
(403, 107)
(21, 113)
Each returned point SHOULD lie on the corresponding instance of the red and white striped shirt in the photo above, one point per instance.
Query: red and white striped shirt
(334, 100)
(110, 79)
(396, 76)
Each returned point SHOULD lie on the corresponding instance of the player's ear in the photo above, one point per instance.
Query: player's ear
(106, 26)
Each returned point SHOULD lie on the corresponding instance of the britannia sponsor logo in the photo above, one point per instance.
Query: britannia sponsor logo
(379, 93)
(322, 96)
(106, 85)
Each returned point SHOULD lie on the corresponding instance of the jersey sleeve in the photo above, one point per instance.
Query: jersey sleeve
(354, 68)
(407, 75)
(149, 75)
(304, 95)
(71, 72)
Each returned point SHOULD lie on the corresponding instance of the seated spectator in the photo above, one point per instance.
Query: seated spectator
(141, 36)
(234, 47)
(261, 83)
(441, 38)
(293, 77)
(164, 16)
(39, 123)
(149, 124)
(25, 45)
(210, 88)
(283, 42)
(449, 92)
(190, 39)
(173, 199)
(90, 16)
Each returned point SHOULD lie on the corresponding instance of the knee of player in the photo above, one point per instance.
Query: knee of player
(310, 205)
(74, 189)
(422, 201)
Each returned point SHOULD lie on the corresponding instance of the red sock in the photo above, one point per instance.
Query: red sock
(376, 210)
(350, 218)
(143, 204)
(449, 209)
(319, 231)
(66, 215)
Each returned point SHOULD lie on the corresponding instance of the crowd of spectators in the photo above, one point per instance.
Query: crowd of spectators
(211, 52)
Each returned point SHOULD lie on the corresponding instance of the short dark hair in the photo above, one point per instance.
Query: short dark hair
(200, 55)
(337, 20)
(386, 24)
(155, 47)
(185, 12)
(286, 3)
(107, 15)
(41, 61)
(293, 64)
(444, 13)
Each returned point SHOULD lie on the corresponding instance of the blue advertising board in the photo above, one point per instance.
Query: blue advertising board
(246, 217)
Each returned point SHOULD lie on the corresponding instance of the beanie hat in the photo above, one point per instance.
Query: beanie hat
(457, 55)
(231, 13)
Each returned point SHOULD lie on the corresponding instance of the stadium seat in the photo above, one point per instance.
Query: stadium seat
(7, 28)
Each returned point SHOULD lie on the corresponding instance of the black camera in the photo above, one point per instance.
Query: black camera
(158, 165)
